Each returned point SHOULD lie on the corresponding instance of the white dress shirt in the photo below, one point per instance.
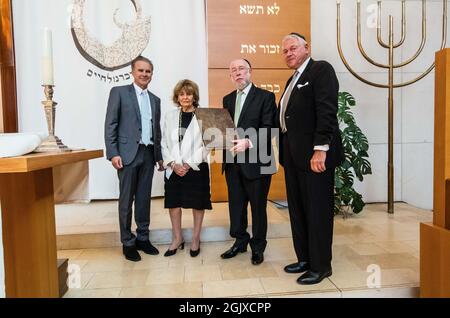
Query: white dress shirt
(139, 93)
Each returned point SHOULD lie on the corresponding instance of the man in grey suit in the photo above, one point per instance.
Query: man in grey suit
(133, 144)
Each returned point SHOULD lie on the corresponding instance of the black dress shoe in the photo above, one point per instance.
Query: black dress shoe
(233, 251)
(170, 252)
(131, 253)
(257, 258)
(310, 277)
(146, 247)
(296, 268)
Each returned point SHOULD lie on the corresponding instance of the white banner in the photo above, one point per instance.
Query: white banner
(92, 40)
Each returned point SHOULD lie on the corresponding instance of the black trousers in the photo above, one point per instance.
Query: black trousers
(135, 184)
(311, 201)
(241, 191)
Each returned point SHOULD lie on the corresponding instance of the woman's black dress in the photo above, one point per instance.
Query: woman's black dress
(191, 191)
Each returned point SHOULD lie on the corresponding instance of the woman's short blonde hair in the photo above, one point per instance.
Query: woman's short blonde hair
(189, 87)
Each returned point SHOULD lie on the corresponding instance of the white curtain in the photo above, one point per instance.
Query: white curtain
(177, 47)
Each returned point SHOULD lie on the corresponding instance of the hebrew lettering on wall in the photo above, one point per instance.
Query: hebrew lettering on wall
(108, 78)
(262, 48)
(254, 30)
(246, 9)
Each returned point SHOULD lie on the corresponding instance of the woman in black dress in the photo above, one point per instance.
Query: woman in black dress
(187, 174)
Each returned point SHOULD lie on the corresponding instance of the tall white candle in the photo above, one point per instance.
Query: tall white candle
(47, 58)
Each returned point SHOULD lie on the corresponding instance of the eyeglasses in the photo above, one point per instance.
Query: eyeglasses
(239, 69)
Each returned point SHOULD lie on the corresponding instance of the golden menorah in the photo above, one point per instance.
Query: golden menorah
(391, 45)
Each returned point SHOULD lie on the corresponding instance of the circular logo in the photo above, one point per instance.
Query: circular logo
(132, 42)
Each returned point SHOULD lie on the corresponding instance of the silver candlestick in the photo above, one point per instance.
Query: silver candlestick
(52, 143)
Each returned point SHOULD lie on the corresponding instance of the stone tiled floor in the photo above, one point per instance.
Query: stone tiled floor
(102, 216)
(364, 243)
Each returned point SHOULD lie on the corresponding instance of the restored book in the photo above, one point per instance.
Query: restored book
(217, 127)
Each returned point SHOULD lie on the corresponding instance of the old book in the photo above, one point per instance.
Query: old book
(217, 127)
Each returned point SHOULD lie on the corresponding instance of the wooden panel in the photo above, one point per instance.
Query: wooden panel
(434, 261)
(219, 191)
(446, 211)
(38, 161)
(29, 236)
(253, 30)
(1, 108)
(435, 238)
(278, 186)
(441, 215)
(7, 69)
(220, 83)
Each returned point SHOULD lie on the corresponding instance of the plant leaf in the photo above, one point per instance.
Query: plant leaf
(356, 163)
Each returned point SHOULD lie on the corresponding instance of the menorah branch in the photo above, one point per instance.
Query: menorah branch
(391, 46)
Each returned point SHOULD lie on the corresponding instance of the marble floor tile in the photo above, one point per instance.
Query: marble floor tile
(78, 280)
(233, 288)
(349, 279)
(118, 279)
(371, 239)
(151, 262)
(100, 253)
(276, 285)
(396, 247)
(202, 273)
(232, 272)
(322, 294)
(388, 292)
(367, 248)
(108, 265)
(70, 254)
(170, 275)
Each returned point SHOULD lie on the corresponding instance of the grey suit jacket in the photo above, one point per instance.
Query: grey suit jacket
(123, 124)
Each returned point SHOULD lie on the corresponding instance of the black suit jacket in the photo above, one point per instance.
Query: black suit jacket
(311, 116)
(257, 112)
(123, 124)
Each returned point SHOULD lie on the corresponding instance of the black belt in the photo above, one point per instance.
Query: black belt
(148, 146)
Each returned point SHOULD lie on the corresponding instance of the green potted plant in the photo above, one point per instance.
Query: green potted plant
(356, 162)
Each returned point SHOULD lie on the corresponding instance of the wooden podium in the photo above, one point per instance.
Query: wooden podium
(435, 237)
(28, 217)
